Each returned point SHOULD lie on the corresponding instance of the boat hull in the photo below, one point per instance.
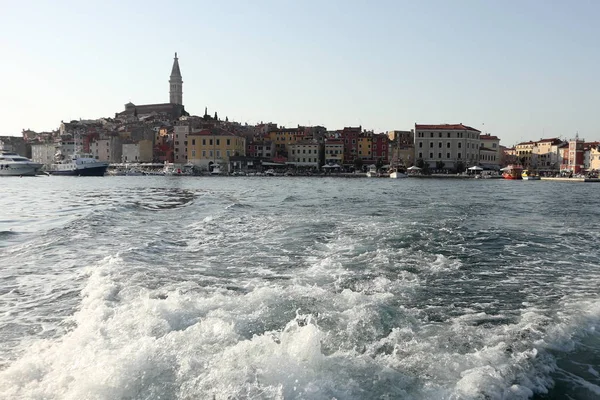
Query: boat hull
(91, 171)
(21, 170)
(398, 175)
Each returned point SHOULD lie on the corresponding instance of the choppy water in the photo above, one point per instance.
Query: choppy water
(298, 288)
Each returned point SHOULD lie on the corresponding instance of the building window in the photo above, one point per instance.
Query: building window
(459, 155)
(420, 155)
(228, 152)
(193, 142)
(210, 142)
(440, 135)
(440, 145)
(448, 145)
(431, 134)
(228, 142)
(431, 145)
(447, 155)
(218, 153)
(210, 153)
(459, 145)
(420, 144)
(193, 153)
(203, 153)
(440, 156)
(430, 155)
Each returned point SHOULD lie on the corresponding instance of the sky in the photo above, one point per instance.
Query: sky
(517, 69)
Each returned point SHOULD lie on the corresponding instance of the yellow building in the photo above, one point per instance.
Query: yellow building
(283, 138)
(214, 146)
(334, 152)
(524, 151)
(365, 147)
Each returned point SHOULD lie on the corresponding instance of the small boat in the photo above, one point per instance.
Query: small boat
(173, 169)
(12, 164)
(270, 172)
(512, 171)
(530, 175)
(395, 174)
(216, 170)
(372, 172)
(80, 164)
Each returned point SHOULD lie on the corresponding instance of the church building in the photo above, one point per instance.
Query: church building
(174, 108)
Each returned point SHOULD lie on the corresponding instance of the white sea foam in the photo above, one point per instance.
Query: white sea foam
(196, 342)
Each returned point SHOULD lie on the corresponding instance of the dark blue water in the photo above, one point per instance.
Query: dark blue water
(298, 288)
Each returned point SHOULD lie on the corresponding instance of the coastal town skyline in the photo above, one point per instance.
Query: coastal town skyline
(291, 76)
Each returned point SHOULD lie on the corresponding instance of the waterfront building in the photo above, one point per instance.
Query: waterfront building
(401, 148)
(43, 153)
(545, 155)
(524, 150)
(334, 152)
(109, 148)
(305, 154)
(214, 146)
(364, 148)
(283, 138)
(489, 152)
(379, 147)
(450, 144)
(163, 145)
(263, 150)
(573, 162)
(181, 132)
(350, 137)
(594, 164)
(137, 152)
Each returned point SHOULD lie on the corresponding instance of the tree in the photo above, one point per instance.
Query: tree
(420, 163)
(439, 164)
(358, 163)
(460, 167)
(426, 170)
(379, 163)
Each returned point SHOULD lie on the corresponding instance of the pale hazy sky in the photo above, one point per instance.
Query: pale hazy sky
(518, 69)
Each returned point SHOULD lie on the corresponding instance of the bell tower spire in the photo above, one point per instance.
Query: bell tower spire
(175, 84)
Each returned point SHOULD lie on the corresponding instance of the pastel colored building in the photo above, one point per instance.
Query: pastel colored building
(305, 154)
(214, 146)
(447, 143)
(334, 152)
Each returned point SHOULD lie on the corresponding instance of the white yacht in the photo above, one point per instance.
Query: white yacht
(80, 164)
(12, 164)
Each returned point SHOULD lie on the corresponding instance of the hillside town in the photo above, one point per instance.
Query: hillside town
(167, 134)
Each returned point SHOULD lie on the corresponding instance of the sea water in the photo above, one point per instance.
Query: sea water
(298, 288)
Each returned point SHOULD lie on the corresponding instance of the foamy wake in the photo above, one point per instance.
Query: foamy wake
(189, 342)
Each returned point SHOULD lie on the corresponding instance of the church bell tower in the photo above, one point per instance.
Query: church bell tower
(175, 84)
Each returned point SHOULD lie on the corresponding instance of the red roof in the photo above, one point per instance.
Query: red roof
(446, 127)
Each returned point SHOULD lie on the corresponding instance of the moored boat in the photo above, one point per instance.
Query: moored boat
(530, 175)
(12, 164)
(512, 171)
(80, 164)
(397, 174)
